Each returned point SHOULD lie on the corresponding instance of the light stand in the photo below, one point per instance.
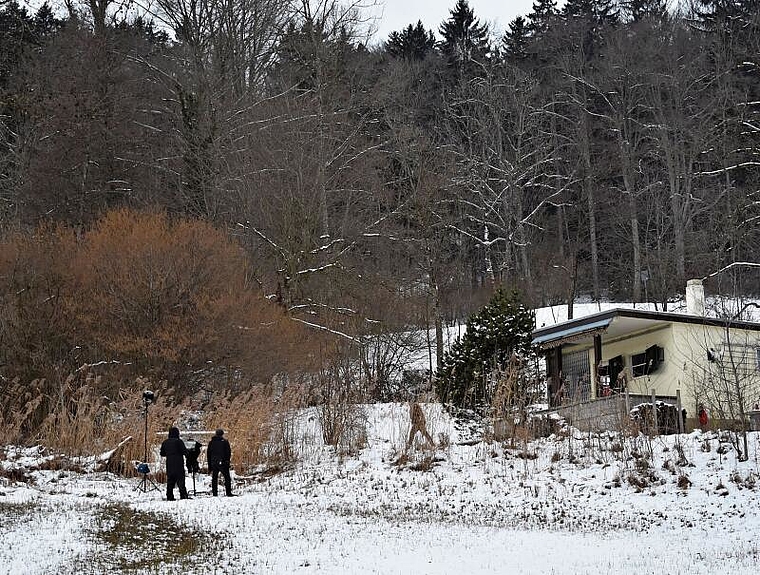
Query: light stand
(146, 483)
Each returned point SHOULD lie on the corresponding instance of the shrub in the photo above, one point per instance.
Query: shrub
(173, 297)
(495, 336)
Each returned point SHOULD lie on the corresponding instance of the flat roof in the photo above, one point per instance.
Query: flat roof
(639, 319)
(574, 332)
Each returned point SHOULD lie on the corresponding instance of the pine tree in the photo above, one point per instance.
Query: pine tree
(515, 40)
(587, 21)
(653, 10)
(500, 331)
(541, 17)
(729, 18)
(594, 12)
(16, 35)
(411, 43)
(45, 22)
(465, 39)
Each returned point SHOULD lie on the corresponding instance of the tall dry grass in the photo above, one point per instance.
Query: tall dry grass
(260, 425)
(74, 418)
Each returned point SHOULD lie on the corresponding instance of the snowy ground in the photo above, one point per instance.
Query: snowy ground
(583, 505)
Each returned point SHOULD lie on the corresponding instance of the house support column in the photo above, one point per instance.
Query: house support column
(597, 361)
(554, 361)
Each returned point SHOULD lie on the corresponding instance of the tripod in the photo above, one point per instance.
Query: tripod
(146, 483)
(191, 459)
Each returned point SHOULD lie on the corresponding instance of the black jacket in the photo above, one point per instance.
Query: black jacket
(218, 452)
(174, 450)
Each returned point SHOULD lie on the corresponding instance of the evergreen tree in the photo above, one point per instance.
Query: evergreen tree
(737, 20)
(45, 22)
(411, 43)
(500, 331)
(515, 40)
(587, 22)
(653, 10)
(540, 19)
(465, 39)
(593, 12)
(16, 34)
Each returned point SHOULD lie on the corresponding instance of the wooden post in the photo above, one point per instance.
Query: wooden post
(654, 413)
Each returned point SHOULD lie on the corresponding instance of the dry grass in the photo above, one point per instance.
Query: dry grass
(74, 419)
(259, 425)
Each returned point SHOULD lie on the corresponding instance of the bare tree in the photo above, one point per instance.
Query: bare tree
(504, 168)
(681, 99)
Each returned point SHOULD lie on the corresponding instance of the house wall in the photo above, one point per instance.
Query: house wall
(664, 379)
(734, 368)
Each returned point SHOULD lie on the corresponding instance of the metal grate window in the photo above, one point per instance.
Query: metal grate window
(576, 377)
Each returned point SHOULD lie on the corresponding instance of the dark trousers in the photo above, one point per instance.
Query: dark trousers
(177, 479)
(225, 470)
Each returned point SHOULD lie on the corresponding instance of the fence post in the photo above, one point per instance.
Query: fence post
(681, 423)
(654, 413)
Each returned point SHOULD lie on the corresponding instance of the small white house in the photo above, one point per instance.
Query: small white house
(684, 359)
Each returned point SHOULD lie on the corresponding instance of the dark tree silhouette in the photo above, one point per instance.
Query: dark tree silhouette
(411, 43)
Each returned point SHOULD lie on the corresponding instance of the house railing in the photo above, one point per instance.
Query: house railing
(604, 413)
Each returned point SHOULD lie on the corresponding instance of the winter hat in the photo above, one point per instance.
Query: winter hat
(220, 432)
(173, 432)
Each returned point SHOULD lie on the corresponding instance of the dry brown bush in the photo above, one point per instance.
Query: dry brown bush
(339, 396)
(175, 296)
(34, 289)
(86, 314)
(138, 295)
(165, 296)
(510, 398)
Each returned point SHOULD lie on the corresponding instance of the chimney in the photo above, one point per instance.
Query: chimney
(695, 298)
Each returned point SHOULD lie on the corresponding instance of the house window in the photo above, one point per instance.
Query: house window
(647, 362)
(639, 364)
(757, 358)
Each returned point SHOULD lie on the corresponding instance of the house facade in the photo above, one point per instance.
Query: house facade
(683, 359)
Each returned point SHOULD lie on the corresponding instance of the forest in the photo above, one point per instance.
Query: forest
(202, 191)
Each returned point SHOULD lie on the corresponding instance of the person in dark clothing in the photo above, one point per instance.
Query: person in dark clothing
(174, 450)
(219, 454)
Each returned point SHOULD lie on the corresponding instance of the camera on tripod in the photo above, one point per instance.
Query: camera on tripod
(142, 467)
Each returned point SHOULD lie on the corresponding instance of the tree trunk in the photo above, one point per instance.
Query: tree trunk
(588, 188)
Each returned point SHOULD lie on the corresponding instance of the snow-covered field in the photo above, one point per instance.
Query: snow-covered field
(570, 504)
